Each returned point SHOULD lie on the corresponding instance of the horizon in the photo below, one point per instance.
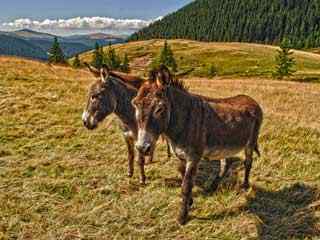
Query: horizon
(123, 17)
(60, 35)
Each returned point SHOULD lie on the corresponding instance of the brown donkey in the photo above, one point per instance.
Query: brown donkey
(113, 93)
(196, 127)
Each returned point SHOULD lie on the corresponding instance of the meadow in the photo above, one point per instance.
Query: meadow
(61, 181)
(229, 59)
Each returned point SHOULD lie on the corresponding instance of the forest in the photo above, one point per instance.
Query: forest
(257, 21)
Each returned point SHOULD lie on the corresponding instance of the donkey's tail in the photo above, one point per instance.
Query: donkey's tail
(256, 131)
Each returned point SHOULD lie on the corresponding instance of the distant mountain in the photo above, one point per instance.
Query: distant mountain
(39, 43)
(14, 46)
(91, 39)
(261, 21)
(27, 33)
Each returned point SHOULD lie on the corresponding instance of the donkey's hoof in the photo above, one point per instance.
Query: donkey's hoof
(143, 182)
(245, 187)
(191, 202)
(130, 174)
(182, 220)
(183, 215)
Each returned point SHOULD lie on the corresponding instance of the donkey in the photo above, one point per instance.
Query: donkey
(196, 127)
(113, 93)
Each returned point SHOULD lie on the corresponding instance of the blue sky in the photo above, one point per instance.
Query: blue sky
(39, 10)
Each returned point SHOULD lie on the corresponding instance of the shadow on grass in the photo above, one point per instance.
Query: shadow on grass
(287, 214)
(214, 174)
(208, 173)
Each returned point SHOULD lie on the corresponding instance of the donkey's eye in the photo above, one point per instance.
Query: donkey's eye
(94, 97)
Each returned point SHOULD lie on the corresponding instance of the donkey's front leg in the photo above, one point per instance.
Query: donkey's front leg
(187, 186)
(141, 163)
(130, 146)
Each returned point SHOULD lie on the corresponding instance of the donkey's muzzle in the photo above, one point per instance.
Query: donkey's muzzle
(145, 148)
(88, 121)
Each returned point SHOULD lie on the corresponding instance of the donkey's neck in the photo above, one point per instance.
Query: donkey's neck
(185, 110)
(124, 109)
(180, 113)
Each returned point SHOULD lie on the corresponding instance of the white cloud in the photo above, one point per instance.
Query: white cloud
(80, 23)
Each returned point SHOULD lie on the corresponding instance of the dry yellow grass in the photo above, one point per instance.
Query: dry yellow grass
(60, 181)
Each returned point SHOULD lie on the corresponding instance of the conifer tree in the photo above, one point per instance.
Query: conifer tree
(166, 58)
(56, 54)
(111, 59)
(212, 71)
(285, 61)
(125, 64)
(97, 60)
(76, 62)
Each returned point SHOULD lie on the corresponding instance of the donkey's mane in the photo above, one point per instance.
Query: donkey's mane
(173, 81)
(118, 80)
(126, 78)
(178, 84)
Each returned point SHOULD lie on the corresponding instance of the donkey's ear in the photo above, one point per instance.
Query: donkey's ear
(92, 69)
(104, 73)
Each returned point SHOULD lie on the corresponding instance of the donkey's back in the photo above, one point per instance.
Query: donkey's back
(231, 125)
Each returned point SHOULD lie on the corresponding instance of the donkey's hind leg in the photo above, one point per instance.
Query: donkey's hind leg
(248, 166)
(168, 149)
(130, 146)
(223, 171)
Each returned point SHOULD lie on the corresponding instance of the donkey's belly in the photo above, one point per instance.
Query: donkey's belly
(221, 153)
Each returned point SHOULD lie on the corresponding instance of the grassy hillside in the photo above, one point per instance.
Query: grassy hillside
(237, 59)
(60, 181)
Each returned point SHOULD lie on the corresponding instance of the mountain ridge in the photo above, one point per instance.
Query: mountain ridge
(39, 43)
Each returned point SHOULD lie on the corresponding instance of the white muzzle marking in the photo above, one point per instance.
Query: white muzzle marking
(85, 116)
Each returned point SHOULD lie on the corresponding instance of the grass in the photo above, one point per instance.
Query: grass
(60, 181)
(230, 59)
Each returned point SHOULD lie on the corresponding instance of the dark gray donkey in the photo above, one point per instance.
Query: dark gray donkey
(196, 127)
(113, 93)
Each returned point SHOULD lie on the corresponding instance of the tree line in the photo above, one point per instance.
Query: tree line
(100, 58)
(259, 21)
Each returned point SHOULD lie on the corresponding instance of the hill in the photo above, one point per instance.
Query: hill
(40, 43)
(10, 45)
(28, 33)
(60, 181)
(235, 59)
(266, 21)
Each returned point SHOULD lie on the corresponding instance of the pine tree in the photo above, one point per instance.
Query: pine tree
(76, 62)
(285, 61)
(56, 54)
(125, 64)
(166, 58)
(212, 71)
(111, 58)
(97, 60)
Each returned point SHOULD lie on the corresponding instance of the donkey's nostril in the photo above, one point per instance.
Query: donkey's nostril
(147, 148)
(144, 148)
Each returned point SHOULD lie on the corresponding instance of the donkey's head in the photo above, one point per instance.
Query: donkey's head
(101, 100)
(152, 109)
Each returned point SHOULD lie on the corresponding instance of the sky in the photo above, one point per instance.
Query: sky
(82, 16)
